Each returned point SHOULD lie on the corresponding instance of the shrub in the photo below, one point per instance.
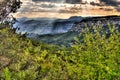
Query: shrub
(96, 57)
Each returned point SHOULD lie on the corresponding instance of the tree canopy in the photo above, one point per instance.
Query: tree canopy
(7, 7)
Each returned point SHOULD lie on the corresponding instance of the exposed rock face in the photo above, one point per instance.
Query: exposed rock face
(97, 21)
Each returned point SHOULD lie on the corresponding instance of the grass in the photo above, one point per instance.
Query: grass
(94, 57)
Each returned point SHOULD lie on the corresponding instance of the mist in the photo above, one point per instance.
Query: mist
(53, 17)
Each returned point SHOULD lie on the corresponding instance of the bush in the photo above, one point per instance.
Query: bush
(96, 57)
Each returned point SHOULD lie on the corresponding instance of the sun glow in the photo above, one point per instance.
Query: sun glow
(33, 9)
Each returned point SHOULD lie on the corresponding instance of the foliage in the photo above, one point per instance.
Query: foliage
(7, 7)
(94, 57)
(7, 74)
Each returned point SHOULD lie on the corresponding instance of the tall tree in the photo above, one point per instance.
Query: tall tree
(7, 7)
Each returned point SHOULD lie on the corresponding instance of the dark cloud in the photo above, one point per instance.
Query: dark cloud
(115, 3)
(111, 2)
(67, 1)
(108, 2)
(48, 0)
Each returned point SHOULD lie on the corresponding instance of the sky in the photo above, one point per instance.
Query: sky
(106, 1)
(31, 8)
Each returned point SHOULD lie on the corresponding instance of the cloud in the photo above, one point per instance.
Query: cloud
(111, 2)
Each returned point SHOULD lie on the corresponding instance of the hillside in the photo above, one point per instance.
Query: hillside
(97, 57)
(52, 40)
